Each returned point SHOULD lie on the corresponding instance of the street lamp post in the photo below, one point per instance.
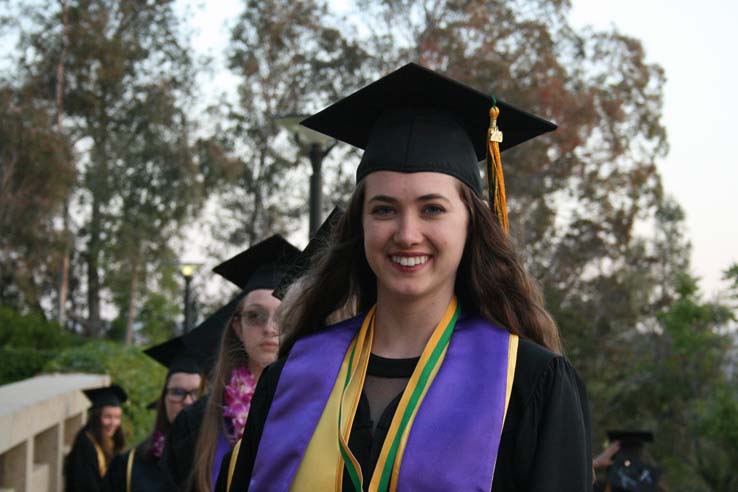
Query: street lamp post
(316, 146)
(187, 270)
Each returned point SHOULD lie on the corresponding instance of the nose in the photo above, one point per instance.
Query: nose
(271, 328)
(189, 399)
(408, 231)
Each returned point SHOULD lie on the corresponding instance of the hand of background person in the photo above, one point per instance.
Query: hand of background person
(604, 459)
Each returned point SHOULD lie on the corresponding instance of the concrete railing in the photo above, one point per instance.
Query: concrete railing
(39, 418)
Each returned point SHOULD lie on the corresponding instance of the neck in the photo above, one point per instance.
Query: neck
(403, 326)
(255, 369)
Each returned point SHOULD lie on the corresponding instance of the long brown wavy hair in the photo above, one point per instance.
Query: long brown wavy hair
(491, 279)
(231, 354)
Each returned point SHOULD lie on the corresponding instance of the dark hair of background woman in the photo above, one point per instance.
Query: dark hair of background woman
(161, 424)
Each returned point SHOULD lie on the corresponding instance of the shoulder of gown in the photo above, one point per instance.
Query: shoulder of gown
(546, 438)
(115, 477)
(81, 467)
(146, 473)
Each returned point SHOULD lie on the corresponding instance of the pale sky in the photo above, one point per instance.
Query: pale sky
(694, 43)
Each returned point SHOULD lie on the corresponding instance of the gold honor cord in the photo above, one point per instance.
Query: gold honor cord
(129, 468)
(232, 464)
(495, 176)
(349, 401)
(390, 458)
(101, 463)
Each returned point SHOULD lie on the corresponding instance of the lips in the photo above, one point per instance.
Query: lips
(269, 345)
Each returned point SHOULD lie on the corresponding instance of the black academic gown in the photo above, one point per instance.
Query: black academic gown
(545, 444)
(146, 475)
(179, 453)
(81, 468)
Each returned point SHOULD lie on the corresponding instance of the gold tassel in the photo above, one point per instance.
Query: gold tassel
(495, 177)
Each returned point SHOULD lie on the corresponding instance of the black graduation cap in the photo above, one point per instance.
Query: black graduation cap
(415, 120)
(109, 396)
(261, 266)
(630, 438)
(303, 261)
(175, 356)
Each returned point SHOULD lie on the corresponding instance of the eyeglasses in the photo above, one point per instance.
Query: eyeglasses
(254, 317)
(180, 394)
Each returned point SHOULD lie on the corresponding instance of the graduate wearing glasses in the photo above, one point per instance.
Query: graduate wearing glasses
(138, 468)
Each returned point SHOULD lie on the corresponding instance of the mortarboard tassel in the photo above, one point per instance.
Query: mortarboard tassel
(495, 177)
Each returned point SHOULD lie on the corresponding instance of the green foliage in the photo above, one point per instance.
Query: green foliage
(27, 343)
(31, 330)
(36, 174)
(22, 363)
(141, 377)
(688, 392)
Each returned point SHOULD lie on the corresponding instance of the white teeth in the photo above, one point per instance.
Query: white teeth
(410, 260)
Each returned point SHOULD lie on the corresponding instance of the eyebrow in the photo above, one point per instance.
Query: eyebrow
(423, 198)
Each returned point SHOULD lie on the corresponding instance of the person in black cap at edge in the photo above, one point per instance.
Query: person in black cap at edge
(247, 341)
(97, 442)
(451, 377)
(138, 468)
(627, 467)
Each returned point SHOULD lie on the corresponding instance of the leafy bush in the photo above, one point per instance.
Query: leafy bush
(31, 330)
(141, 377)
(27, 343)
(22, 363)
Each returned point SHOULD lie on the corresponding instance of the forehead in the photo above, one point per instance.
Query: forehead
(261, 297)
(410, 185)
(111, 410)
(184, 379)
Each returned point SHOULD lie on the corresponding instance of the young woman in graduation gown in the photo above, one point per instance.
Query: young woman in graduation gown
(97, 442)
(138, 470)
(451, 377)
(248, 344)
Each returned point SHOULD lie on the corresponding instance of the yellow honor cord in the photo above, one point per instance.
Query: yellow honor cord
(102, 465)
(232, 464)
(495, 176)
(129, 468)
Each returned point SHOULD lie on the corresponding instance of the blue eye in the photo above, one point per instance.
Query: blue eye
(433, 210)
(382, 211)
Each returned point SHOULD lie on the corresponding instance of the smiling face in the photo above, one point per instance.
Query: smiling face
(256, 328)
(415, 227)
(110, 420)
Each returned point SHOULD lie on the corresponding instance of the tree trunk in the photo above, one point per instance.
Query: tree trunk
(93, 275)
(64, 274)
(132, 297)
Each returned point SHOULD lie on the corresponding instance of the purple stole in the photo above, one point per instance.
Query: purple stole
(454, 440)
(222, 447)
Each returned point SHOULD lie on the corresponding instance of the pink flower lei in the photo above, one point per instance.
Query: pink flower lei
(237, 402)
(157, 444)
